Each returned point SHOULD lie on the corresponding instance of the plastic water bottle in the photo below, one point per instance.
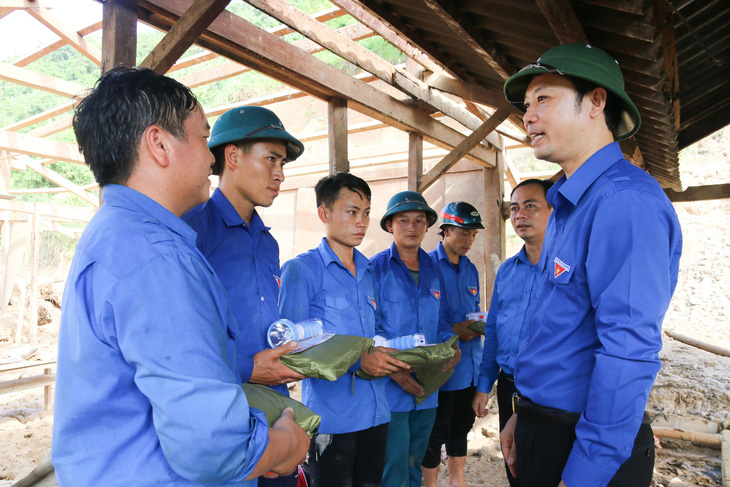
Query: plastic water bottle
(283, 331)
(402, 343)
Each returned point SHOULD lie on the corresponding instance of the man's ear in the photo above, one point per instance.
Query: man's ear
(597, 97)
(231, 156)
(157, 141)
(389, 225)
(323, 213)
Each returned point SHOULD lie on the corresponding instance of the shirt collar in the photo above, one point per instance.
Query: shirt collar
(125, 197)
(424, 260)
(328, 256)
(231, 217)
(522, 255)
(442, 255)
(573, 189)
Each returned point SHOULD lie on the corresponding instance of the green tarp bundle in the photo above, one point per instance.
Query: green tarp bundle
(427, 364)
(272, 404)
(478, 327)
(328, 360)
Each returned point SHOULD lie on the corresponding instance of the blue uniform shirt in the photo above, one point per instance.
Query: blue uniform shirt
(147, 391)
(516, 287)
(462, 292)
(315, 284)
(407, 309)
(611, 256)
(246, 259)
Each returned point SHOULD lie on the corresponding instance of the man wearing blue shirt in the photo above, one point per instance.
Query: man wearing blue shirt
(459, 224)
(516, 286)
(411, 300)
(147, 391)
(334, 282)
(611, 257)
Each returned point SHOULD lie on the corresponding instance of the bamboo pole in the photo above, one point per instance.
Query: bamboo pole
(708, 347)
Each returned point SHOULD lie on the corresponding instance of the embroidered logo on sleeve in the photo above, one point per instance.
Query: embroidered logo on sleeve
(436, 293)
(473, 291)
(371, 300)
(278, 281)
(560, 267)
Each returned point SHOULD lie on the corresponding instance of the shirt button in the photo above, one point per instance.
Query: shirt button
(527, 290)
(560, 222)
(522, 311)
(262, 298)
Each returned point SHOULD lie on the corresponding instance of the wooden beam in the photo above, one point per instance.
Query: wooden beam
(664, 20)
(39, 147)
(181, 36)
(241, 41)
(41, 117)
(43, 82)
(459, 151)
(699, 193)
(415, 160)
(53, 127)
(65, 183)
(119, 36)
(49, 212)
(361, 57)
(457, 20)
(45, 17)
(337, 128)
(494, 223)
(43, 51)
(561, 17)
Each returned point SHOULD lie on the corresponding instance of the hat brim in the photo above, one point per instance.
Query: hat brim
(431, 214)
(294, 147)
(516, 86)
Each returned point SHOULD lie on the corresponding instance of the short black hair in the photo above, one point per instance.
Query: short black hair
(328, 188)
(110, 120)
(612, 111)
(545, 184)
(244, 145)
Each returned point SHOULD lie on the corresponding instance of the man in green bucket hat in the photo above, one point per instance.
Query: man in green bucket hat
(610, 259)
(251, 147)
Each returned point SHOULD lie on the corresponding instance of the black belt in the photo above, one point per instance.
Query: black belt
(505, 376)
(527, 409)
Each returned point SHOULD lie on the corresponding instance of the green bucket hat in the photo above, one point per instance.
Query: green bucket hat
(408, 201)
(581, 61)
(252, 122)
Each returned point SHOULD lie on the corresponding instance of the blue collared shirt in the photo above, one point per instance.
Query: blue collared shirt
(516, 287)
(611, 256)
(315, 284)
(407, 309)
(147, 391)
(462, 292)
(246, 259)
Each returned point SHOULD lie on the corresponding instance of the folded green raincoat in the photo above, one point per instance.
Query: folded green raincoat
(272, 404)
(478, 327)
(329, 360)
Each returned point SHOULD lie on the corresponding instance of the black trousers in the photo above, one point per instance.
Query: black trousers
(543, 448)
(505, 389)
(454, 419)
(349, 459)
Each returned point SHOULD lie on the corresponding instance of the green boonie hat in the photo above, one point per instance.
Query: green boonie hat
(252, 122)
(581, 61)
(408, 201)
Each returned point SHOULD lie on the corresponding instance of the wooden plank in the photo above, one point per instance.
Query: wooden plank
(494, 234)
(337, 129)
(368, 61)
(38, 81)
(45, 17)
(27, 4)
(39, 147)
(699, 193)
(119, 37)
(49, 212)
(43, 51)
(457, 20)
(33, 265)
(181, 36)
(415, 160)
(26, 383)
(561, 17)
(25, 364)
(663, 19)
(65, 183)
(41, 117)
(459, 151)
(241, 41)
(53, 127)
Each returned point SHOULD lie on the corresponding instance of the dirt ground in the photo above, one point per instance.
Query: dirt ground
(692, 383)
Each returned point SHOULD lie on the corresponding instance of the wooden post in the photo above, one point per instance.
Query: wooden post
(21, 311)
(415, 160)
(119, 34)
(337, 127)
(47, 392)
(494, 236)
(33, 264)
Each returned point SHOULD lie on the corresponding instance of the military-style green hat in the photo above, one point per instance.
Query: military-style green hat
(408, 201)
(581, 61)
(252, 122)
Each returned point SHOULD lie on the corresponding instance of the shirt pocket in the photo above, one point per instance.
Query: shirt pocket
(336, 311)
(560, 268)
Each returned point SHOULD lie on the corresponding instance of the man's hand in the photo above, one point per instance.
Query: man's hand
(465, 334)
(509, 449)
(479, 404)
(453, 360)
(268, 369)
(379, 362)
(408, 383)
(287, 448)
